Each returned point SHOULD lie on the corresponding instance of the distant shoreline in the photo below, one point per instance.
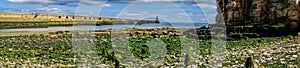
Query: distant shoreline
(13, 19)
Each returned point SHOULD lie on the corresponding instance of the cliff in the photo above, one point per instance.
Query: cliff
(259, 16)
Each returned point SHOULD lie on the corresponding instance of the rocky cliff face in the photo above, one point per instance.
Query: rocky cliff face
(247, 11)
(259, 12)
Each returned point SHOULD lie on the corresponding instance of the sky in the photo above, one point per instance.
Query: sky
(195, 11)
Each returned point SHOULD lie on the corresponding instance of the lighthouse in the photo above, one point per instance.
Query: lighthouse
(157, 21)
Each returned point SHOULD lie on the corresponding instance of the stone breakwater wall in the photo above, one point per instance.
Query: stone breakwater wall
(21, 17)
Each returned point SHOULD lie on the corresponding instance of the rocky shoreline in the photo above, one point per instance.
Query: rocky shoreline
(55, 49)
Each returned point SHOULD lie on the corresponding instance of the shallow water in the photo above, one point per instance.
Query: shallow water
(105, 27)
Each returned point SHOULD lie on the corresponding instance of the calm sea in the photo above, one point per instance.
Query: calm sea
(105, 27)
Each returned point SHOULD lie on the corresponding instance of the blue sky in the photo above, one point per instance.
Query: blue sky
(196, 11)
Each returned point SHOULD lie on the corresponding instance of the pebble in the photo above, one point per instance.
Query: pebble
(265, 54)
(256, 61)
(251, 52)
(282, 62)
(236, 61)
(295, 56)
(268, 59)
(242, 65)
(234, 66)
(219, 65)
(292, 59)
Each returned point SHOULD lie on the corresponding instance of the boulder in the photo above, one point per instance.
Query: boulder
(294, 26)
(293, 15)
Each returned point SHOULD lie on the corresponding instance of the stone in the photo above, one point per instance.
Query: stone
(265, 54)
(294, 25)
(220, 17)
(268, 59)
(292, 59)
(295, 56)
(10, 49)
(293, 15)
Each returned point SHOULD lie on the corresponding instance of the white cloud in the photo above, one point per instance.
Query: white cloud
(93, 2)
(31, 1)
(211, 18)
(61, 2)
(96, 2)
(50, 9)
(165, 0)
(140, 14)
(108, 5)
(25, 0)
(206, 6)
(209, 8)
(25, 10)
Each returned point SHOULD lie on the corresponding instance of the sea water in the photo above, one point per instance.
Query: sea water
(105, 27)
